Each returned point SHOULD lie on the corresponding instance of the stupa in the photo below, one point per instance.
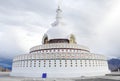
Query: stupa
(60, 55)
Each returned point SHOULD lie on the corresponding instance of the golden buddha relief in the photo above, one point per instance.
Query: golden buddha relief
(72, 39)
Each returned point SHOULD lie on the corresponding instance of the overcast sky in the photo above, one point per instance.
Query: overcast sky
(96, 24)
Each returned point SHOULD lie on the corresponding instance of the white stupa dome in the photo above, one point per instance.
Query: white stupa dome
(59, 29)
(59, 32)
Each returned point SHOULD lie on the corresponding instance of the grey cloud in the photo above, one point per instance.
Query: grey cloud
(39, 6)
(34, 16)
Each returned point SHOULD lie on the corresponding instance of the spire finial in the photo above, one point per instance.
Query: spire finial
(59, 3)
(58, 15)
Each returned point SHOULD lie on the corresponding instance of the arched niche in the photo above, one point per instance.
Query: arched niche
(45, 39)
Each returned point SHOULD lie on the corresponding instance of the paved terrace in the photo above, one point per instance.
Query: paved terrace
(115, 76)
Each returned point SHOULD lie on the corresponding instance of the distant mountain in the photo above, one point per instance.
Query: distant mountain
(114, 64)
(6, 63)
